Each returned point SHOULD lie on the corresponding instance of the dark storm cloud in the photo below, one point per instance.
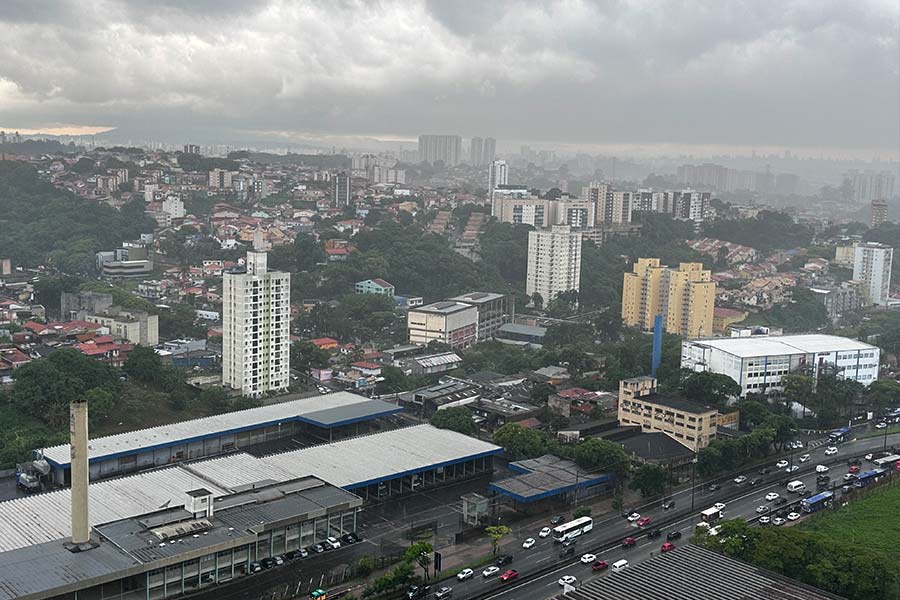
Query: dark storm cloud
(793, 73)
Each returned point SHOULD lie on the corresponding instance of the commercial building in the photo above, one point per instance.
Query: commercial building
(872, 266)
(493, 311)
(256, 316)
(432, 363)
(866, 186)
(758, 363)
(690, 423)
(127, 261)
(554, 262)
(445, 149)
(341, 190)
(549, 477)
(498, 174)
(374, 286)
(685, 297)
(136, 326)
(844, 299)
(450, 322)
(879, 213)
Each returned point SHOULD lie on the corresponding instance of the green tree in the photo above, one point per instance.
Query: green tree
(595, 454)
(649, 480)
(455, 418)
(582, 511)
(496, 533)
(883, 394)
(100, 403)
(782, 427)
(709, 388)
(306, 355)
(143, 365)
(540, 392)
(215, 397)
(419, 553)
(520, 442)
(365, 565)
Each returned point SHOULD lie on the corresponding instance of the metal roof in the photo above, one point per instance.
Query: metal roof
(545, 477)
(477, 297)
(435, 360)
(350, 463)
(748, 347)
(693, 573)
(329, 410)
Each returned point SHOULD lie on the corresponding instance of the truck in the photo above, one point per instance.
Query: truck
(711, 515)
(30, 475)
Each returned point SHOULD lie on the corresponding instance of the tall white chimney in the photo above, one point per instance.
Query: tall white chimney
(78, 433)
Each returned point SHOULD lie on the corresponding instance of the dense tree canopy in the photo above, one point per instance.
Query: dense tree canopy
(767, 231)
(709, 388)
(455, 418)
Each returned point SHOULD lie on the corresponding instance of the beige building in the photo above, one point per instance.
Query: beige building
(136, 326)
(685, 297)
(451, 322)
(692, 424)
(554, 262)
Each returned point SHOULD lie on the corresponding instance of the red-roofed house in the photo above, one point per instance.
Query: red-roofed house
(103, 348)
(324, 343)
(338, 254)
(14, 357)
(374, 286)
(367, 368)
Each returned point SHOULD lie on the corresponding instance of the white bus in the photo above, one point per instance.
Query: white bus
(572, 529)
(711, 515)
(889, 461)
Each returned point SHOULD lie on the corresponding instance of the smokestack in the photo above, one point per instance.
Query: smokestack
(78, 440)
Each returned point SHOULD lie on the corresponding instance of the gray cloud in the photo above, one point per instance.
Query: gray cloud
(793, 73)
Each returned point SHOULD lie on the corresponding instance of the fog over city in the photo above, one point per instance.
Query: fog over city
(810, 75)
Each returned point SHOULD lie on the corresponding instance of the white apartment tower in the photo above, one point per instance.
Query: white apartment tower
(498, 174)
(554, 262)
(256, 315)
(872, 266)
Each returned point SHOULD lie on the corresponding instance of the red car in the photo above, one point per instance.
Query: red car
(643, 521)
(629, 542)
(509, 575)
(599, 565)
(667, 547)
(854, 469)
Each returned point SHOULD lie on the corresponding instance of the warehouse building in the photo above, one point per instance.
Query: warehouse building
(758, 363)
(323, 418)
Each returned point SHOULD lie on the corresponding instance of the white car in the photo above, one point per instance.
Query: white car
(793, 516)
(849, 476)
(796, 444)
(869, 456)
(881, 425)
(781, 464)
(567, 580)
(714, 530)
(821, 469)
(492, 570)
(588, 558)
(764, 520)
(792, 468)
(804, 458)
(778, 521)
(830, 450)
(465, 574)
(633, 517)
(762, 509)
(335, 543)
(544, 532)
(772, 496)
(740, 479)
(528, 543)
(719, 506)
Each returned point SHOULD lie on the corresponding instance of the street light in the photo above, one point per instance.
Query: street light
(693, 474)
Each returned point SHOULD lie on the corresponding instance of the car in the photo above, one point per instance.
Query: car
(655, 533)
(350, 538)
(569, 542)
(528, 543)
(268, 563)
(740, 479)
(504, 560)
(782, 513)
(291, 555)
(509, 575)
(821, 469)
(544, 532)
(587, 558)
(830, 450)
(849, 477)
(764, 520)
(823, 477)
(465, 574)
(778, 521)
(781, 464)
(490, 571)
(565, 552)
(881, 425)
(668, 504)
(335, 543)
(599, 565)
(673, 535)
(417, 591)
(792, 468)
(567, 580)
(793, 516)
(255, 567)
(713, 487)
(719, 506)
(764, 471)
(327, 546)
(633, 517)
(444, 592)
(318, 548)
(629, 542)
(796, 445)
(755, 481)
(804, 458)
(667, 547)
(762, 509)
(772, 496)
(643, 521)
(854, 469)
(557, 520)
(780, 501)
(870, 457)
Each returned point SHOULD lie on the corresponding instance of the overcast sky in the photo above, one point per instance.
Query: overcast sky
(774, 73)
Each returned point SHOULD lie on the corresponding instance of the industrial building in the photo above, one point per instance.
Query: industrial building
(323, 418)
(449, 322)
(758, 363)
(493, 311)
(549, 478)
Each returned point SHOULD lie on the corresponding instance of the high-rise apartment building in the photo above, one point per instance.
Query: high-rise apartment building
(256, 316)
(490, 150)
(612, 206)
(220, 179)
(872, 266)
(440, 148)
(476, 152)
(341, 192)
(554, 262)
(684, 297)
(866, 186)
(498, 174)
(879, 213)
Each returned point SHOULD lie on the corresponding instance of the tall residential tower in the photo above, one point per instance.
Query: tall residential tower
(554, 262)
(684, 297)
(872, 265)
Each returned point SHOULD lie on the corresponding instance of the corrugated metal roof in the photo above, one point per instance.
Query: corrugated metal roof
(434, 360)
(327, 411)
(783, 345)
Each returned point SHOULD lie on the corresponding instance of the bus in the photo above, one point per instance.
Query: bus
(869, 477)
(572, 529)
(817, 502)
(711, 515)
(839, 435)
(887, 461)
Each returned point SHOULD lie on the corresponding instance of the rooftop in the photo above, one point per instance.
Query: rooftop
(444, 308)
(435, 360)
(682, 404)
(330, 410)
(533, 330)
(545, 477)
(477, 297)
(655, 446)
(747, 347)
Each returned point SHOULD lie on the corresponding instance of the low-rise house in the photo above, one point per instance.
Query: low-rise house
(374, 286)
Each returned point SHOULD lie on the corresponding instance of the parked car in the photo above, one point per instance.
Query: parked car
(465, 574)
(509, 575)
(778, 521)
(667, 547)
(793, 516)
(255, 567)
(881, 425)
(335, 543)
(673, 535)
(269, 562)
(318, 548)
(764, 520)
